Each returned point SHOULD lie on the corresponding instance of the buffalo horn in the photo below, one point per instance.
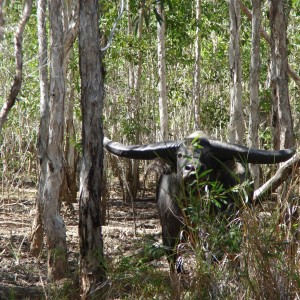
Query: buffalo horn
(227, 151)
(165, 150)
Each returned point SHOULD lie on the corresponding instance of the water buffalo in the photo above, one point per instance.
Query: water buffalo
(198, 154)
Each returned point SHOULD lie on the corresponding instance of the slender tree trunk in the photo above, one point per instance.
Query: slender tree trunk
(162, 83)
(69, 186)
(236, 123)
(281, 112)
(54, 224)
(137, 99)
(254, 85)
(37, 230)
(132, 174)
(197, 66)
(92, 273)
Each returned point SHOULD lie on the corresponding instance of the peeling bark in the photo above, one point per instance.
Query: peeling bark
(37, 228)
(254, 86)
(282, 125)
(54, 224)
(92, 272)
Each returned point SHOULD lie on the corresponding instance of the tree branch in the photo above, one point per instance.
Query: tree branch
(280, 176)
(16, 86)
(264, 34)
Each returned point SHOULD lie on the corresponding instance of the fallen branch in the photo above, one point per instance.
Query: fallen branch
(280, 176)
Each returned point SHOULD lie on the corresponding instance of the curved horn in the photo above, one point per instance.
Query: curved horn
(226, 151)
(165, 150)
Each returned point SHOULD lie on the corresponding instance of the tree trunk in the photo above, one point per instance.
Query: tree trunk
(132, 174)
(254, 85)
(137, 101)
(236, 122)
(92, 273)
(69, 186)
(37, 230)
(54, 224)
(282, 125)
(197, 66)
(162, 84)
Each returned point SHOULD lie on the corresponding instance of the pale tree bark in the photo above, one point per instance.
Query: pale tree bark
(236, 127)
(37, 229)
(54, 224)
(92, 272)
(197, 66)
(282, 125)
(254, 85)
(162, 81)
(18, 41)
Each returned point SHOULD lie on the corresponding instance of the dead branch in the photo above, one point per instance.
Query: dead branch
(264, 34)
(280, 176)
(16, 86)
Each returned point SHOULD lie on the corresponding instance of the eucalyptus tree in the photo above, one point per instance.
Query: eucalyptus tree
(236, 122)
(71, 22)
(92, 272)
(254, 85)
(48, 219)
(282, 124)
(55, 229)
(197, 66)
(162, 80)
(37, 228)
(134, 95)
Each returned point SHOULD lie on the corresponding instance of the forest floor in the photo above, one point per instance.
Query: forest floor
(24, 277)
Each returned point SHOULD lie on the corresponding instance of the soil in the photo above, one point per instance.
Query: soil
(24, 277)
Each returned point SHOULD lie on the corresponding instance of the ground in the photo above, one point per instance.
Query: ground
(24, 277)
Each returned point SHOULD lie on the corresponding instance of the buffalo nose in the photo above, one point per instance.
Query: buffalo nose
(190, 168)
(187, 170)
